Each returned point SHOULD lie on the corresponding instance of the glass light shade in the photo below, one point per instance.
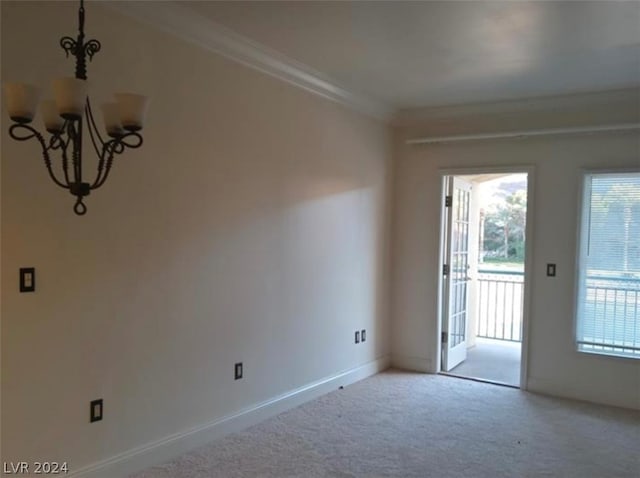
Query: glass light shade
(132, 110)
(53, 122)
(21, 101)
(112, 123)
(71, 96)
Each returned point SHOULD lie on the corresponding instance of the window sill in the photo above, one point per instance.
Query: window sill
(606, 353)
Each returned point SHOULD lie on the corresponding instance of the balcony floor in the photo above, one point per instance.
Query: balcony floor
(492, 360)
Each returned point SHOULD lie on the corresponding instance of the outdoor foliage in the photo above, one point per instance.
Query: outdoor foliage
(504, 228)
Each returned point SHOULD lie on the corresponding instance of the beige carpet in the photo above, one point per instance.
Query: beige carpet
(398, 424)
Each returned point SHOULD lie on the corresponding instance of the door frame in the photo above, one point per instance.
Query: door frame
(529, 170)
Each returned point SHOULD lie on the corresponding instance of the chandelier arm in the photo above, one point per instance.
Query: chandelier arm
(113, 147)
(65, 163)
(101, 163)
(106, 161)
(15, 129)
(56, 142)
(33, 133)
(47, 162)
(124, 140)
(52, 175)
(98, 144)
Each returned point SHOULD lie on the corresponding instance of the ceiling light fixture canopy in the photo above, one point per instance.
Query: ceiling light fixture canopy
(64, 119)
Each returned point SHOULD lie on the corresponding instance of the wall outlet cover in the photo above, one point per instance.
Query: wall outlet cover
(27, 279)
(96, 410)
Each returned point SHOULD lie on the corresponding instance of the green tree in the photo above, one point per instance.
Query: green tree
(505, 226)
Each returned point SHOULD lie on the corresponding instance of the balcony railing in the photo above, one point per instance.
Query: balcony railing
(611, 315)
(500, 305)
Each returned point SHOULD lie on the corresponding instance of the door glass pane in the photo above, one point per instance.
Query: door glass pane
(459, 263)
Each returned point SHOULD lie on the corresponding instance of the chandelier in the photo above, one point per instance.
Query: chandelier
(66, 116)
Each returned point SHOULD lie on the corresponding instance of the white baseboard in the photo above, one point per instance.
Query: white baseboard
(166, 448)
(414, 364)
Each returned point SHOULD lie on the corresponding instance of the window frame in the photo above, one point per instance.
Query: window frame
(584, 199)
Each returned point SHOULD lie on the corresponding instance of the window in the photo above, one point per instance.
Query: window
(608, 312)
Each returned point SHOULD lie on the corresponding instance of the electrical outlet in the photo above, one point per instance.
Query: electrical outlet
(27, 279)
(357, 336)
(551, 270)
(96, 410)
(363, 335)
(238, 370)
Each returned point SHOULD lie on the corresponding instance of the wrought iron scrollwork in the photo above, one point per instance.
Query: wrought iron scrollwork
(68, 44)
(67, 142)
(91, 48)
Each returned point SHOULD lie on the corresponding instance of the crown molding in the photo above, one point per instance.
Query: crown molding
(616, 128)
(192, 27)
(587, 101)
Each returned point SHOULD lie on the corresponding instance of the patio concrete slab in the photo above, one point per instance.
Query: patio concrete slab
(493, 360)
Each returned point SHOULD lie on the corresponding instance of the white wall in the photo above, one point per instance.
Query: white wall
(251, 226)
(554, 365)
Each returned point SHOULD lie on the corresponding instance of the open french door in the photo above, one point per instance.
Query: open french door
(456, 273)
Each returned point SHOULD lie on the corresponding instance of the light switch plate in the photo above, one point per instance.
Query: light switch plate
(551, 270)
(96, 410)
(27, 279)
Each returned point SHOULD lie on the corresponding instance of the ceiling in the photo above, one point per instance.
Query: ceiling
(416, 54)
